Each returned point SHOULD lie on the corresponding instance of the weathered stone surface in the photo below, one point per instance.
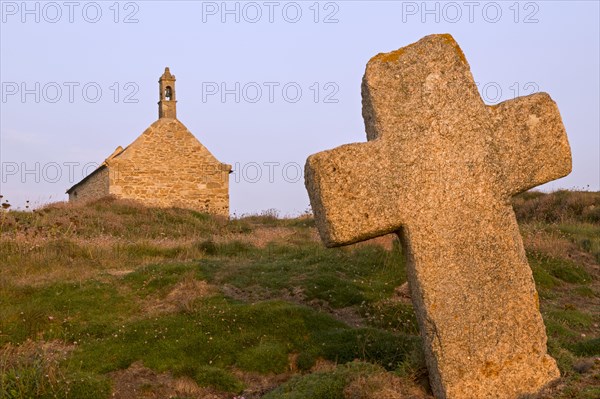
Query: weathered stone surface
(95, 186)
(165, 166)
(168, 166)
(439, 168)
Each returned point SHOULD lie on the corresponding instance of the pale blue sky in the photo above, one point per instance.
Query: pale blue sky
(512, 47)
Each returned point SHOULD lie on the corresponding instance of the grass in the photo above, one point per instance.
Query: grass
(67, 311)
(216, 377)
(322, 385)
(584, 235)
(571, 317)
(219, 333)
(588, 347)
(338, 277)
(33, 370)
(256, 306)
(550, 271)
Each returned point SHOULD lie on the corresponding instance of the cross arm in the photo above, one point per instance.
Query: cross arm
(530, 142)
(349, 193)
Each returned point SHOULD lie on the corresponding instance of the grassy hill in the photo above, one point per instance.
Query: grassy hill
(114, 300)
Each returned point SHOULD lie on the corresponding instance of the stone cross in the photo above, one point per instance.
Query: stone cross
(439, 169)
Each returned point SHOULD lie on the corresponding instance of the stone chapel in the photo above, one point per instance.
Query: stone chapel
(165, 166)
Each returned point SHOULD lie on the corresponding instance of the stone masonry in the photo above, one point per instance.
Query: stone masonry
(165, 166)
(94, 186)
(439, 169)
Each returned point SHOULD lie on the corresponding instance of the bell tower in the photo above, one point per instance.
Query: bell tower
(167, 104)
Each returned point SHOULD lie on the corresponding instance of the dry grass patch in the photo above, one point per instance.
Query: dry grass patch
(559, 206)
(181, 298)
(139, 382)
(45, 354)
(260, 237)
(34, 370)
(386, 242)
(256, 384)
(548, 243)
(555, 245)
(384, 386)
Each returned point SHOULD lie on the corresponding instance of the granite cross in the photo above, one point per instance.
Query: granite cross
(439, 169)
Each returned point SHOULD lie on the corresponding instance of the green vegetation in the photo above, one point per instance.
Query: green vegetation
(322, 385)
(32, 370)
(255, 306)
